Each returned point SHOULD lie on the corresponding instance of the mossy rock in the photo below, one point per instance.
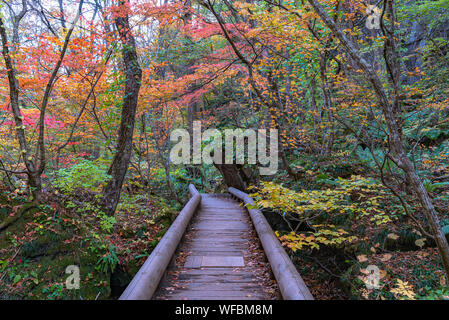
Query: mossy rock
(53, 270)
(49, 244)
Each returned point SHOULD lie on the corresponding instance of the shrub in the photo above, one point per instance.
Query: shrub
(88, 175)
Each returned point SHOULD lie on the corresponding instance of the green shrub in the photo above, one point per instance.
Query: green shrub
(87, 175)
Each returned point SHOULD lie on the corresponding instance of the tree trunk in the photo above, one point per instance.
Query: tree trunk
(391, 113)
(119, 166)
(231, 176)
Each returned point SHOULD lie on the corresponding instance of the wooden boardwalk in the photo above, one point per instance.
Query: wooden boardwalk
(219, 258)
(213, 251)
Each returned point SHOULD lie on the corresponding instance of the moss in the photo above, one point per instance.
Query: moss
(49, 259)
(22, 216)
(52, 277)
(49, 244)
(38, 270)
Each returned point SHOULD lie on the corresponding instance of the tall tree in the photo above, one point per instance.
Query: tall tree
(133, 77)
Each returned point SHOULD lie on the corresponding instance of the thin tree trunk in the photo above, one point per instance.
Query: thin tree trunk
(120, 163)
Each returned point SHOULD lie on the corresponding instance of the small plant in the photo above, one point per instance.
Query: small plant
(403, 290)
(355, 198)
(437, 294)
(108, 261)
(107, 223)
(87, 175)
(327, 235)
(54, 291)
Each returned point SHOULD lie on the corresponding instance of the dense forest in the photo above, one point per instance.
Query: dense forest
(91, 92)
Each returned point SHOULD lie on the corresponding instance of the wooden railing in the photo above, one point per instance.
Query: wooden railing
(147, 279)
(290, 283)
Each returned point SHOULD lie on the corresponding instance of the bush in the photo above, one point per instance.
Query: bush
(88, 175)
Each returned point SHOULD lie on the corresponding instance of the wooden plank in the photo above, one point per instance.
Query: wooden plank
(214, 294)
(183, 279)
(222, 261)
(193, 262)
(208, 297)
(217, 286)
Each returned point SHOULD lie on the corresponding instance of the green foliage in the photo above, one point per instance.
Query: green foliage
(366, 158)
(107, 222)
(446, 230)
(431, 187)
(164, 211)
(109, 261)
(54, 291)
(86, 175)
(430, 11)
(137, 204)
(435, 294)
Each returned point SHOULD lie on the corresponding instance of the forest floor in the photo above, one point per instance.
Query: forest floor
(419, 269)
(38, 243)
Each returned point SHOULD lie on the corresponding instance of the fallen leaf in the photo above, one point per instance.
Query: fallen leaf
(386, 257)
(420, 242)
(362, 258)
(393, 236)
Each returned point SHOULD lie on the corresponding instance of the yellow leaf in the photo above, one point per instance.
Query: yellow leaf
(420, 242)
(403, 289)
